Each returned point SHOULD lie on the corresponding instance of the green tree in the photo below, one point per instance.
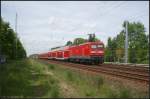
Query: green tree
(110, 50)
(68, 43)
(96, 39)
(78, 41)
(120, 40)
(138, 44)
(8, 42)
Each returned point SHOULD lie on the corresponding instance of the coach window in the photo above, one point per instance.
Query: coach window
(93, 46)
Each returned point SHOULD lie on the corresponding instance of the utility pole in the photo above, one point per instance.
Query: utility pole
(16, 35)
(126, 42)
(0, 51)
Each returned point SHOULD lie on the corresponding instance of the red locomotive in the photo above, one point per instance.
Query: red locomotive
(89, 52)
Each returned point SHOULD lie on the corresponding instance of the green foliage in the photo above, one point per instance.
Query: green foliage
(110, 54)
(96, 39)
(85, 85)
(138, 45)
(69, 75)
(78, 41)
(99, 82)
(68, 43)
(51, 66)
(124, 93)
(8, 43)
(107, 92)
(55, 91)
(15, 79)
(27, 78)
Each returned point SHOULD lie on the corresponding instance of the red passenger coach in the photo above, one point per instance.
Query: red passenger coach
(53, 55)
(43, 56)
(49, 55)
(61, 53)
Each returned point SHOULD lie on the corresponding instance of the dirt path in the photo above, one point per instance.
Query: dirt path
(66, 90)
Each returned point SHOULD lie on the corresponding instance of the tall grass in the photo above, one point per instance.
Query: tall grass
(98, 81)
(26, 78)
(55, 91)
(69, 75)
(125, 93)
(87, 85)
(14, 79)
(51, 66)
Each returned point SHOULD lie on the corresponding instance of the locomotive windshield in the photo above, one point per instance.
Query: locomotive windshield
(99, 46)
(93, 46)
(96, 46)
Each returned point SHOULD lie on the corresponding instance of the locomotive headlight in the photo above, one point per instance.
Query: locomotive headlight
(93, 51)
(100, 52)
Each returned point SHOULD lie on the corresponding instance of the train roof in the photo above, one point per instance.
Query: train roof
(66, 47)
(61, 48)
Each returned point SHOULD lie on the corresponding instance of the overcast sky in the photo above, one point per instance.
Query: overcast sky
(46, 24)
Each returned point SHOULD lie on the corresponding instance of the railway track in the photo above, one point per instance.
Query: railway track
(131, 73)
(126, 67)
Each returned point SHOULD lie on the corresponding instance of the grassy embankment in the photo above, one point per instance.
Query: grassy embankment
(79, 84)
(26, 78)
(32, 78)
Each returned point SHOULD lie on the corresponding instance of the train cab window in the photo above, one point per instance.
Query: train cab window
(99, 46)
(93, 46)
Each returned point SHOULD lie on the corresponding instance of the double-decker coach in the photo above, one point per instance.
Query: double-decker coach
(61, 53)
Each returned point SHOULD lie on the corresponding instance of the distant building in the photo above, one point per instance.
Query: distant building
(34, 56)
(2, 59)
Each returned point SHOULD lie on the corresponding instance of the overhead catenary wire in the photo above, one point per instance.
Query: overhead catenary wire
(111, 9)
(139, 15)
(108, 11)
(119, 5)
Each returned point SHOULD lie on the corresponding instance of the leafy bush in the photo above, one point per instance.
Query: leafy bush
(124, 93)
(55, 91)
(69, 76)
(51, 66)
(89, 93)
(98, 81)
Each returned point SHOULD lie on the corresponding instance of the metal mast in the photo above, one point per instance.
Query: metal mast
(16, 34)
(126, 42)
